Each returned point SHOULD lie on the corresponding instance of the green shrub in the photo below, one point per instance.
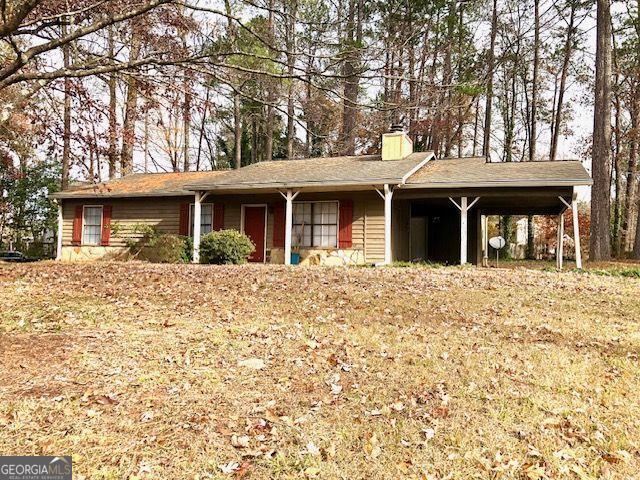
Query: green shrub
(225, 247)
(187, 254)
(165, 248)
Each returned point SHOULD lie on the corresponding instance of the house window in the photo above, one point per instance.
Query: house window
(206, 218)
(315, 224)
(92, 225)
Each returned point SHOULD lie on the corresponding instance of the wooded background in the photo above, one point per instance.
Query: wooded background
(94, 89)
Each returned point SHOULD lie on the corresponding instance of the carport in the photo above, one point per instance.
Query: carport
(441, 212)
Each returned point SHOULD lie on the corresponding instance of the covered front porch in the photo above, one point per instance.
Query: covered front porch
(382, 224)
(390, 210)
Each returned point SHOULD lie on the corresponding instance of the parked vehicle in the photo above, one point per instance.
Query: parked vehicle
(15, 256)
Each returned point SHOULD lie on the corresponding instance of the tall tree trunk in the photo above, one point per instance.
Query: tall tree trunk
(491, 60)
(186, 123)
(630, 204)
(269, 121)
(568, 48)
(254, 138)
(131, 109)
(476, 125)
(237, 114)
(447, 78)
(310, 130)
(460, 67)
(533, 120)
(237, 131)
(205, 109)
(291, 58)
(146, 137)
(66, 134)
(600, 241)
(113, 99)
(617, 164)
(616, 240)
(352, 44)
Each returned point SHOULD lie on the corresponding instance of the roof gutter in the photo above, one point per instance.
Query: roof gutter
(502, 183)
(281, 185)
(75, 194)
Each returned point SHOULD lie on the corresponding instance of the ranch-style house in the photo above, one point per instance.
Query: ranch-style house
(400, 205)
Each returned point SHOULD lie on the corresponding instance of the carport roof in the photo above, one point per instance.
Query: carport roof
(476, 172)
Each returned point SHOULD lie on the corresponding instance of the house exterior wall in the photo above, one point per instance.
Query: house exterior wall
(163, 213)
(128, 214)
(367, 226)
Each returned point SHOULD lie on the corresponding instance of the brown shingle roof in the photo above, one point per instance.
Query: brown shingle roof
(140, 185)
(476, 172)
(343, 171)
(329, 171)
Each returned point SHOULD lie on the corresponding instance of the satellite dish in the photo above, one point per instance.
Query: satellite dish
(497, 242)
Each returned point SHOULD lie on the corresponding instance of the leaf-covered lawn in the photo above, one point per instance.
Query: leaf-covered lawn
(156, 371)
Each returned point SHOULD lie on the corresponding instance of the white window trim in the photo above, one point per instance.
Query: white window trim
(82, 242)
(266, 211)
(311, 247)
(191, 220)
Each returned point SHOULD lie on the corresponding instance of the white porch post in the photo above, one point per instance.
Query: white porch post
(289, 196)
(388, 195)
(196, 227)
(288, 226)
(59, 239)
(560, 245)
(576, 233)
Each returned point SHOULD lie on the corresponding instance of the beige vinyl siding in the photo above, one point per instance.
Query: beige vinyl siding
(164, 214)
(368, 216)
(161, 213)
(374, 230)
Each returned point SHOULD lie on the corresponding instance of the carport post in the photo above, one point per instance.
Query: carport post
(485, 240)
(463, 230)
(576, 233)
(560, 243)
(197, 208)
(464, 208)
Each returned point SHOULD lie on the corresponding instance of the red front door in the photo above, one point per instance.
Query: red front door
(254, 226)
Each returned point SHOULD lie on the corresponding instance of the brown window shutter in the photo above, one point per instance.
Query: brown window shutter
(183, 229)
(76, 236)
(106, 225)
(345, 224)
(218, 216)
(278, 225)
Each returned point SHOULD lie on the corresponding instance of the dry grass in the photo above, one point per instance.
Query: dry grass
(369, 373)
